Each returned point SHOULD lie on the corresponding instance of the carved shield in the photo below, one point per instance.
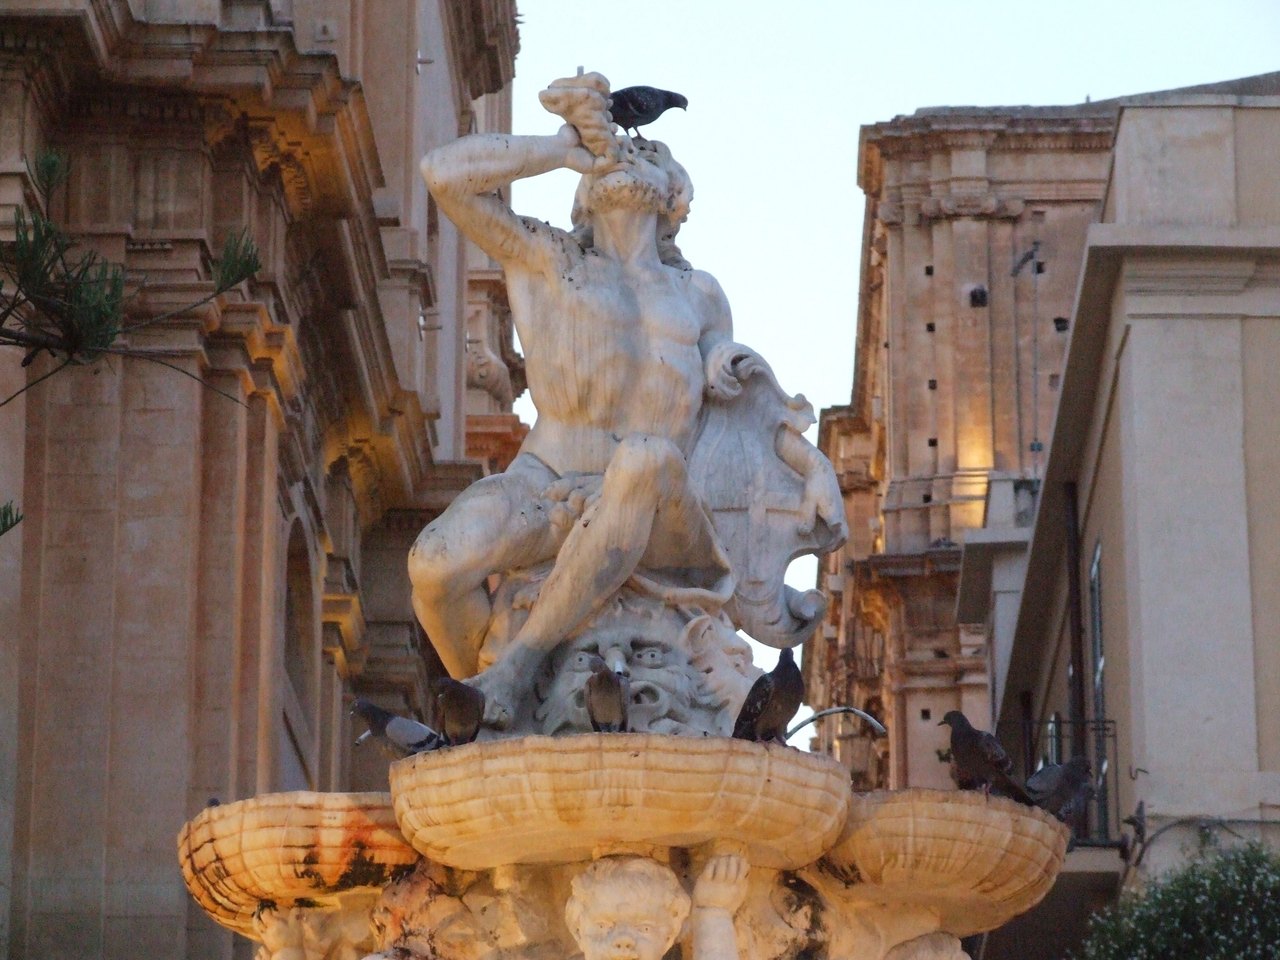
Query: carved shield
(765, 509)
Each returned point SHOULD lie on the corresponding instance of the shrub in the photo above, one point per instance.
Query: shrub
(1224, 906)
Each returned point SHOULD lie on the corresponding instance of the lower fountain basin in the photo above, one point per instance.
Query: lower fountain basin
(289, 849)
(975, 861)
(543, 799)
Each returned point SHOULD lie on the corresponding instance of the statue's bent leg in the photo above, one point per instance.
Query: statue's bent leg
(494, 525)
(599, 554)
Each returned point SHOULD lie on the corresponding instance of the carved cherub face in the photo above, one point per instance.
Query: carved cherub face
(626, 909)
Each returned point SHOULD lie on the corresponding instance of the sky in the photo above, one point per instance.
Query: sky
(778, 91)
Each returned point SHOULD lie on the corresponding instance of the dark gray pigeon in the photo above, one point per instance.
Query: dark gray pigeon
(1062, 789)
(771, 703)
(607, 696)
(398, 736)
(979, 758)
(459, 709)
(635, 107)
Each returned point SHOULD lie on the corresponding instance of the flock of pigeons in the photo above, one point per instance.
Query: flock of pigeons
(1062, 789)
(459, 709)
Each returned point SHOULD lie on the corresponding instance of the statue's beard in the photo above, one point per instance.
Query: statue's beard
(626, 193)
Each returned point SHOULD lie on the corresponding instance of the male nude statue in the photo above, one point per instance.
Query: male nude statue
(620, 349)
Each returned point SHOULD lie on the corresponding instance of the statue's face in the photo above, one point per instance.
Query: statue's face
(621, 926)
(640, 184)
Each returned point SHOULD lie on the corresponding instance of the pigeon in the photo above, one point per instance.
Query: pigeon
(635, 107)
(771, 703)
(608, 693)
(979, 758)
(1062, 789)
(399, 736)
(459, 709)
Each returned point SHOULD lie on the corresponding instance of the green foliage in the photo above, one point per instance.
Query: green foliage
(73, 306)
(1224, 906)
(10, 517)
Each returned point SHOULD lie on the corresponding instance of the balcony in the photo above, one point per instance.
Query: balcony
(1057, 740)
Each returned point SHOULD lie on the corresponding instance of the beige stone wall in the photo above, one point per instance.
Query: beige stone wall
(1260, 354)
(203, 577)
(957, 372)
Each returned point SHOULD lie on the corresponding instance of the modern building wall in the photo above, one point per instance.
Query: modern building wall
(1164, 455)
(212, 560)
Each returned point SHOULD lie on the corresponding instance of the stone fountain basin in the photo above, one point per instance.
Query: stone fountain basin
(976, 862)
(543, 799)
(289, 849)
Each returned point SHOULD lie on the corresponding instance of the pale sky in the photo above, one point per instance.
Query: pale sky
(778, 90)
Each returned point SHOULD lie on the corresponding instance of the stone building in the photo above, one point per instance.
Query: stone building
(209, 564)
(975, 223)
(1108, 593)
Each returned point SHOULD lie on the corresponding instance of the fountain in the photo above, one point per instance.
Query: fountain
(650, 516)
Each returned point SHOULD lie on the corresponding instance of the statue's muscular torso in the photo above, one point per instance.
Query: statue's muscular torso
(611, 351)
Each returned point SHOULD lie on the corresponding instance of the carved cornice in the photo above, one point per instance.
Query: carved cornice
(485, 41)
(986, 206)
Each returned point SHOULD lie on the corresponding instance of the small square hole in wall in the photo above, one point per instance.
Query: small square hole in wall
(926, 714)
(929, 327)
(933, 441)
(927, 498)
(928, 270)
(933, 384)
(1039, 266)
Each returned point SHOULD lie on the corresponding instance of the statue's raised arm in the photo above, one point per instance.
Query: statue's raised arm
(465, 175)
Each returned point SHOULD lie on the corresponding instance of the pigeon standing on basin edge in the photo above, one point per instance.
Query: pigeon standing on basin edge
(635, 107)
(979, 757)
(772, 702)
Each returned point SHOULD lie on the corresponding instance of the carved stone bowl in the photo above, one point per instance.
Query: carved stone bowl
(289, 849)
(977, 861)
(543, 799)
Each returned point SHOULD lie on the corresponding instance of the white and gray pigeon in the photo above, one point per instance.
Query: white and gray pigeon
(1062, 789)
(399, 736)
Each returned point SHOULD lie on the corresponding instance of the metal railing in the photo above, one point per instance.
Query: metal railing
(1055, 741)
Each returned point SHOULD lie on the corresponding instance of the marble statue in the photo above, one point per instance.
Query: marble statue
(647, 520)
(666, 479)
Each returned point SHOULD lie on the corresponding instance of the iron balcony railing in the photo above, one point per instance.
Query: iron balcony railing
(1055, 741)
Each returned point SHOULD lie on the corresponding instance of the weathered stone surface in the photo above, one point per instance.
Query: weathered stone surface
(544, 799)
(976, 861)
(285, 850)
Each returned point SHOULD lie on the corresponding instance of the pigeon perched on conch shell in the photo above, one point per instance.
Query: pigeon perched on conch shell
(635, 107)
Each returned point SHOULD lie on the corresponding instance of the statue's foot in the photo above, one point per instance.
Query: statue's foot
(500, 686)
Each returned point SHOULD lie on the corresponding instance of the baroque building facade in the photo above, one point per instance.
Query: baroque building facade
(211, 564)
(975, 222)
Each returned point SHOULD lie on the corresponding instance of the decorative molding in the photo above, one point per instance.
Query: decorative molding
(978, 206)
